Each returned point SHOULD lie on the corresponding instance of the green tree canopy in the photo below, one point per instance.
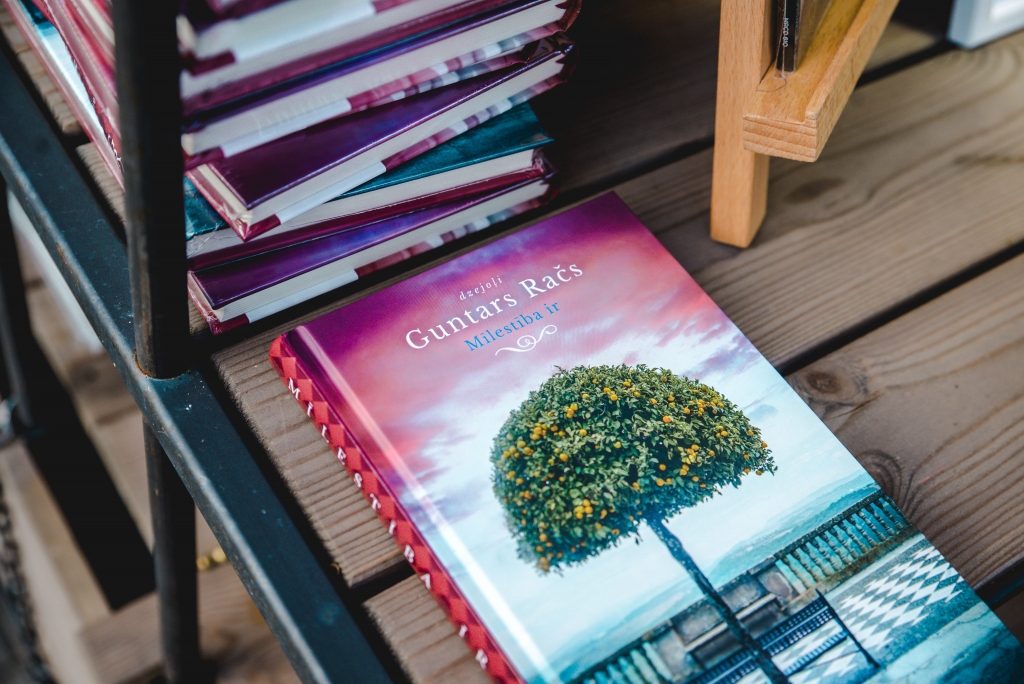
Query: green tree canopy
(597, 450)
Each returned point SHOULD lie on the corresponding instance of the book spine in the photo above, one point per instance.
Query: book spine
(374, 489)
(788, 32)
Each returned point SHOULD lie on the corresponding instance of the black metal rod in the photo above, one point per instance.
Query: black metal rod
(15, 332)
(174, 560)
(148, 68)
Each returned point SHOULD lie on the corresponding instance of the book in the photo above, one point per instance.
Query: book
(97, 77)
(271, 281)
(798, 21)
(475, 46)
(600, 479)
(497, 153)
(262, 188)
(255, 63)
(47, 44)
(225, 246)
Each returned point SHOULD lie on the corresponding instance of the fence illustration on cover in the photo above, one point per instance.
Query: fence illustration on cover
(789, 583)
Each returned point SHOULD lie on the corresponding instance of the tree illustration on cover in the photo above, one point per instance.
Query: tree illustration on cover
(598, 450)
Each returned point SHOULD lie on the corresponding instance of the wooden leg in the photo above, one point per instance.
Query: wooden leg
(739, 185)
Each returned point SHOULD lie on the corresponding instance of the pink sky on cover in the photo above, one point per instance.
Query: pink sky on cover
(407, 390)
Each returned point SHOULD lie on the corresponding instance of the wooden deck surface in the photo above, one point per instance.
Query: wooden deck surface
(875, 283)
(885, 283)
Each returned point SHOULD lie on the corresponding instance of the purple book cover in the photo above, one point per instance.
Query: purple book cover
(313, 77)
(602, 480)
(259, 174)
(516, 50)
(251, 248)
(284, 72)
(232, 281)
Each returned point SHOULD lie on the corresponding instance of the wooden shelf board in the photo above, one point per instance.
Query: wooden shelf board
(792, 115)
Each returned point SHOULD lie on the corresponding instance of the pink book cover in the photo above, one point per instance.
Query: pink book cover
(62, 78)
(339, 53)
(218, 327)
(98, 78)
(601, 480)
(251, 178)
(513, 51)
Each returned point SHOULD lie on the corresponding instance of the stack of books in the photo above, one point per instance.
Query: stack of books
(326, 139)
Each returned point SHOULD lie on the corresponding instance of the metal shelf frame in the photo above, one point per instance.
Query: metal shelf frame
(135, 300)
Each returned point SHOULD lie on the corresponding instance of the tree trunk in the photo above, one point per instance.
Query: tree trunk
(736, 628)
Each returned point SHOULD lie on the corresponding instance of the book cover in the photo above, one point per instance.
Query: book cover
(218, 326)
(225, 246)
(236, 79)
(601, 480)
(230, 282)
(514, 131)
(262, 188)
(352, 87)
(798, 21)
(98, 79)
(49, 47)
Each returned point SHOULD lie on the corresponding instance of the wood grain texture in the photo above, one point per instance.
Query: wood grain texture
(933, 405)
(125, 647)
(792, 115)
(739, 187)
(59, 109)
(349, 529)
(105, 181)
(920, 182)
(421, 637)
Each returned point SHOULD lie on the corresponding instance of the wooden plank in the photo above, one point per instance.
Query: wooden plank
(929, 150)
(920, 182)
(125, 646)
(933, 405)
(739, 186)
(64, 594)
(105, 181)
(792, 115)
(349, 529)
(421, 637)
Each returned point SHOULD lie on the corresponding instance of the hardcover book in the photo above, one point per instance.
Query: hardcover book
(495, 154)
(53, 53)
(798, 21)
(327, 74)
(601, 480)
(260, 285)
(262, 188)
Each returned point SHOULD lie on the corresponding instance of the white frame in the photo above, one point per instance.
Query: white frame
(976, 22)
